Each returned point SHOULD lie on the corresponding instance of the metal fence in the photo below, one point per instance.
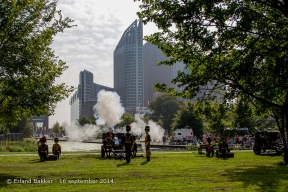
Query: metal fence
(4, 138)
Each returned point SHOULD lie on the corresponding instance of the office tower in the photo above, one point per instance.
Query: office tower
(157, 74)
(85, 97)
(74, 102)
(128, 69)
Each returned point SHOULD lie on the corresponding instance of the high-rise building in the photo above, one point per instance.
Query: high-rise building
(128, 68)
(85, 97)
(157, 74)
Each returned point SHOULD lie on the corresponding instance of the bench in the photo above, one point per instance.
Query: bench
(200, 147)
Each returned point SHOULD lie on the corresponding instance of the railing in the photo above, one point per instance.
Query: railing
(10, 137)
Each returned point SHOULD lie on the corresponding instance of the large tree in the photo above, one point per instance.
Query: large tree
(126, 119)
(164, 108)
(186, 116)
(23, 126)
(28, 66)
(242, 44)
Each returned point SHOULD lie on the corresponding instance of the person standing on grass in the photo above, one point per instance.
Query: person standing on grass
(147, 143)
(129, 143)
(209, 148)
(43, 149)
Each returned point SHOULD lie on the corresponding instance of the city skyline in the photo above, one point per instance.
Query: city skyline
(90, 45)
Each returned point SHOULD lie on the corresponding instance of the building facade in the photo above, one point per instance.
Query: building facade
(128, 68)
(85, 97)
(157, 74)
(40, 123)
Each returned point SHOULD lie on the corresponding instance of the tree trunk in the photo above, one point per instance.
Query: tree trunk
(286, 155)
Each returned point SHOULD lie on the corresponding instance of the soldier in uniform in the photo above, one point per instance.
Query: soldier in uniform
(223, 147)
(129, 143)
(56, 149)
(147, 143)
(43, 150)
(209, 148)
(108, 144)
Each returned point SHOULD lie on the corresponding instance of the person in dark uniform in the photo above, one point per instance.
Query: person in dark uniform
(108, 144)
(147, 143)
(56, 149)
(209, 148)
(43, 150)
(129, 143)
(223, 147)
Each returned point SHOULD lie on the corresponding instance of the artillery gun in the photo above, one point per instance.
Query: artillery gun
(268, 141)
(118, 146)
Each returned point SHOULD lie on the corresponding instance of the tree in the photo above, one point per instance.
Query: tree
(56, 128)
(3, 129)
(215, 114)
(164, 108)
(64, 126)
(23, 126)
(84, 120)
(186, 116)
(240, 44)
(126, 119)
(28, 65)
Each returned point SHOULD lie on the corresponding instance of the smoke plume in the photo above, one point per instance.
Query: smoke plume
(156, 131)
(108, 108)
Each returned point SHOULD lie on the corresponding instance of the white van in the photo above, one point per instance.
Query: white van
(183, 132)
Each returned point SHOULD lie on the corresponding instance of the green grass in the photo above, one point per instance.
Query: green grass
(27, 145)
(167, 171)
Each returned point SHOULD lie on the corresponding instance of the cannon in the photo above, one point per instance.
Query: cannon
(118, 146)
(268, 141)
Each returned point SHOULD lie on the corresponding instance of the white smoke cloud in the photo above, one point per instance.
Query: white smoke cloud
(108, 108)
(156, 131)
(109, 111)
(77, 133)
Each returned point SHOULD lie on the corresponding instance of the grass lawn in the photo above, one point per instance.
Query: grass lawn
(167, 171)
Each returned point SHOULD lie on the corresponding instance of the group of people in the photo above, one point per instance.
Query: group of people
(43, 149)
(129, 141)
(222, 144)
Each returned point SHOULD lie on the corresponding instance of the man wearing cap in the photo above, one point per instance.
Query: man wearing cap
(56, 149)
(129, 143)
(43, 149)
(108, 144)
(147, 143)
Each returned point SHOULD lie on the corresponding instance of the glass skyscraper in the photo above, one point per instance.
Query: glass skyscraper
(157, 74)
(128, 67)
(85, 97)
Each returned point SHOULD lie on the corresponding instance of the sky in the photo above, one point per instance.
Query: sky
(90, 45)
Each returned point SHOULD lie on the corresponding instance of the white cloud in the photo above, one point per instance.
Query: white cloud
(90, 45)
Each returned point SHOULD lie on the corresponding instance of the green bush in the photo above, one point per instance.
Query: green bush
(27, 145)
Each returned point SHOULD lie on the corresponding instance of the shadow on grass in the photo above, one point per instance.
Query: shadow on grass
(144, 163)
(265, 177)
(123, 164)
(6, 179)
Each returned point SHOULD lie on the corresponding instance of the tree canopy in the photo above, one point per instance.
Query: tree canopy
(28, 65)
(186, 116)
(164, 108)
(241, 45)
(56, 128)
(126, 119)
